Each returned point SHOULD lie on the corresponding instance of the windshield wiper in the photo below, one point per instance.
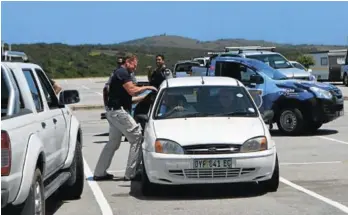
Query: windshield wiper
(238, 113)
(197, 114)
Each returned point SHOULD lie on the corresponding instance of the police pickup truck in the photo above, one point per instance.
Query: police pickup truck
(299, 106)
(41, 139)
(265, 54)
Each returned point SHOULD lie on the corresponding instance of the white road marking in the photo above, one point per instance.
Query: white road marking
(311, 163)
(99, 93)
(98, 194)
(315, 195)
(66, 81)
(332, 139)
(85, 87)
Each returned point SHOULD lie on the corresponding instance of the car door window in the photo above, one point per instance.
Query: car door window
(34, 89)
(51, 98)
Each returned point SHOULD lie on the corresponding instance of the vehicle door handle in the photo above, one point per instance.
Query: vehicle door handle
(43, 124)
(54, 121)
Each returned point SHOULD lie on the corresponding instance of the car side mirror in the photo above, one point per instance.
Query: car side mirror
(69, 97)
(268, 115)
(141, 118)
(256, 79)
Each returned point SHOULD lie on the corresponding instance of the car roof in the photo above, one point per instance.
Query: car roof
(197, 81)
(235, 59)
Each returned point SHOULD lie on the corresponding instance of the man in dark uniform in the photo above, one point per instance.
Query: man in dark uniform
(160, 74)
(121, 91)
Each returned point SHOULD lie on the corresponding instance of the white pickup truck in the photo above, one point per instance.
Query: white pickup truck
(41, 141)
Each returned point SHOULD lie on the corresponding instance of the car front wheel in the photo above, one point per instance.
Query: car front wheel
(147, 188)
(272, 184)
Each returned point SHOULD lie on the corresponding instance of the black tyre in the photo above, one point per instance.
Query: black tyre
(73, 188)
(272, 184)
(290, 121)
(147, 188)
(345, 79)
(35, 203)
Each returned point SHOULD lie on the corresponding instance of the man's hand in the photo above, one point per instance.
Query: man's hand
(151, 88)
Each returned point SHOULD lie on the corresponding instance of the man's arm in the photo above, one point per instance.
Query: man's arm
(137, 99)
(128, 84)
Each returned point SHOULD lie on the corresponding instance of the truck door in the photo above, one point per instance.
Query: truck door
(58, 120)
(335, 63)
(46, 132)
(242, 73)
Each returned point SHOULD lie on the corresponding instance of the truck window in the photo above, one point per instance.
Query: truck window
(234, 70)
(34, 89)
(184, 67)
(5, 93)
(51, 97)
(21, 103)
(274, 60)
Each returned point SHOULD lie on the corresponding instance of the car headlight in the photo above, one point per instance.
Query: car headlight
(254, 145)
(168, 147)
(320, 93)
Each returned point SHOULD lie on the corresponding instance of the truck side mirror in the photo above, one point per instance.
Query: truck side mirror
(256, 79)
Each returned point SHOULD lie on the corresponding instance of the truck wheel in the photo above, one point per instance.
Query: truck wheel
(73, 188)
(35, 203)
(345, 79)
(272, 184)
(290, 121)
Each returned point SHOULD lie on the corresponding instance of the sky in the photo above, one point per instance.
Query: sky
(114, 22)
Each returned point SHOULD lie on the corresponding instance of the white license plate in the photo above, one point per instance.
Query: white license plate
(213, 163)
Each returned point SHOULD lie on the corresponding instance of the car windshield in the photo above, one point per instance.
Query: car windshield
(299, 66)
(267, 70)
(274, 60)
(204, 101)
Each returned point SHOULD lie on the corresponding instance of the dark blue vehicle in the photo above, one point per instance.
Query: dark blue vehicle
(299, 106)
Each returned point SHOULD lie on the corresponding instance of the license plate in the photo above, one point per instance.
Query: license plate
(212, 163)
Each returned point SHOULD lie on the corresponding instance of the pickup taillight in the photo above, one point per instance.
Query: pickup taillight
(5, 154)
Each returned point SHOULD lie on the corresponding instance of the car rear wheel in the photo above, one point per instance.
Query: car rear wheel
(35, 203)
(272, 184)
(290, 121)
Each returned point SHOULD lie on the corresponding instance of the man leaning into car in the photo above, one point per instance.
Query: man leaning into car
(121, 90)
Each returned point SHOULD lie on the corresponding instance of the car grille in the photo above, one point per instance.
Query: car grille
(212, 173)
(206, 149)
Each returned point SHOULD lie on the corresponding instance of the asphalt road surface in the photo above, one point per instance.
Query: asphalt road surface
(313, 169)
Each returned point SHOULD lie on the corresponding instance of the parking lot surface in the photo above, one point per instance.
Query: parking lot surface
(313, 171)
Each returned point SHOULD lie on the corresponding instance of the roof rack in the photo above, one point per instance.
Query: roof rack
(249, 48)
(7, 55)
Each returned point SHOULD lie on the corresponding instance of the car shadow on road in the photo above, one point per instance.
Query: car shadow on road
(199, 192)
(53, 203)
(320, 132)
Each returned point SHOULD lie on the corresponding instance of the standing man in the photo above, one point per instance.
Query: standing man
(121, 90)
(160, 74)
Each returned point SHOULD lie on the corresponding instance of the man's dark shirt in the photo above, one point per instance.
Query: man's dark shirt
(158, 76)
(118, 96)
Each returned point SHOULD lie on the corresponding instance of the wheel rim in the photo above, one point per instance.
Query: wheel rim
(288, 121)
(38, 199)
(346, 79)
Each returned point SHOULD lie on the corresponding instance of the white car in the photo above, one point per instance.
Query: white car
(214, 134)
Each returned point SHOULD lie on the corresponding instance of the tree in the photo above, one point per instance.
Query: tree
(305, 60)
